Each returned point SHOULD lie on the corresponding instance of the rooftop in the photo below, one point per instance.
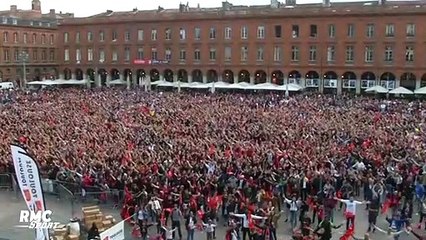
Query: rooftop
(275, 9)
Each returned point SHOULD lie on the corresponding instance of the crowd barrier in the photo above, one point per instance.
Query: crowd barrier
(6, 181)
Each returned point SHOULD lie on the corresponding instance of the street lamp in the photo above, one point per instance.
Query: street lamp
(23, 57)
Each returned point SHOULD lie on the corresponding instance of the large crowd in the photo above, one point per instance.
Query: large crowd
(247, 158)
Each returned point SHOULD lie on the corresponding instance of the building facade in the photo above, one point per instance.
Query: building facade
(326, 47)
(28, 41)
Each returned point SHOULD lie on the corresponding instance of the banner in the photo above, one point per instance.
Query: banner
(116, 232)
(28, 178)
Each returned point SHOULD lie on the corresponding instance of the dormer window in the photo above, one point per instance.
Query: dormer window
(4, 20)
(15, 21)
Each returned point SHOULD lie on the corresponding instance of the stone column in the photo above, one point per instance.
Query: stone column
(397, 83)
(339, 86)
(321, 86)
(418, 83)
(358, 86)
(108, 80)
(61, 76)
(251, 80)
(303, 82)
(190, 78)
(204, 79)
(98, 80)
(72, 75)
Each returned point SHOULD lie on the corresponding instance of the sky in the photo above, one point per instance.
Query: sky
(83, 8)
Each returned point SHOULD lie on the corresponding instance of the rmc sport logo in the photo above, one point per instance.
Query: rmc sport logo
(37, 220)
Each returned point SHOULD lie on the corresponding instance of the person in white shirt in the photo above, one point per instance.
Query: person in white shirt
(209, 227)
(294, 209)
(245, 219)
(191, 224)
(168, 233)
(350, 210)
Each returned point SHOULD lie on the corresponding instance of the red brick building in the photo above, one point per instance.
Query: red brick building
(28, 36)
(330, 47)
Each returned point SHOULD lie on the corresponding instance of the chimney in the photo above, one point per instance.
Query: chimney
(274, 3)
(135, 9)
(226, 6)
(13, 8)
(326, 3)
(181, 7)
(382, 2)
(52, 12)
(290, 2)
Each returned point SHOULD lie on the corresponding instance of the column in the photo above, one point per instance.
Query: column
(397, 83)
(268, 79)
(321, 85)
(108, 80)
(161, 77)
(98, 80)
(235, 78)
(175, 77)
(303, 82)
(72, 75)
(204, 79)
(339, 86)
(358, 87)
(251, 80)
(418, 83)
(61, 76)
(190, 78)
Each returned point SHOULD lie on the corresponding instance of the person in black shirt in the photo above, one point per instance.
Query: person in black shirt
(93, 232)
(143, 227)
(324, 229)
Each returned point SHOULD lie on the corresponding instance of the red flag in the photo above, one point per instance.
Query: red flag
(348, 234)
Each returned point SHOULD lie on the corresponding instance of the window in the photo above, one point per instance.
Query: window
(101, 36)
(89, 54)
(101, 55)
(390, 30)
(260, 54)
(78, 55)
(5, 37)
(15, 37)
(66, 37)
(14, 21)
(331, 54)
(140, 35)
(278, 31)
(43, 39)
(351, 30)
(411, 30)
(244, 32)
(77, 37)
(388, 54)
(168, 54)
(370, 30)
(295, 31)
(127, 36)
(114, 36)
(331, 31)
(6, 55)
(197, 55)
(25, 38)
(182, 55)
(34, 38)
(154, 54)
(154, 34)
(277, 54)
(212, 34)
(52, 39)
(409, 54)
(197, 33)
(314, 31)
(43, 55)
(212, 54)
(114, 55)
(16, 55)
(244, 54)
(228, 54)
(349, 54)
(66, 55)
(140, 54)
(126, 54)
(182, 34)
(168, 34)
(89, 36)
(52, 55)
(295, 53)
(4, 20)
(228, 33)
(261, 32)
(312, 53)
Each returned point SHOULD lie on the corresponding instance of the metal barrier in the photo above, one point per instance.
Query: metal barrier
(6, 181)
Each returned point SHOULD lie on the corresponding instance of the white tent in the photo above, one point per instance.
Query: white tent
(117, 82)
(377, 89)
(199, 85)
(166, 84)
(241, 85)
(264, 86)
(157, 82)
(290, 87)
(74, 82)
(401, 90)
(420, 90)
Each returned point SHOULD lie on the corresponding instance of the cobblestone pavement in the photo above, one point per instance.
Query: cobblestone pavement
(63, 210)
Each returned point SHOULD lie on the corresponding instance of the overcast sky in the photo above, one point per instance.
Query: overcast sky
(82, 8)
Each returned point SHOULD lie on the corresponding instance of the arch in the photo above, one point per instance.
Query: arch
(349, 76)
(182, 75)
(53, 73)
(211, 76)
(368, 76)
(67, 74)
(277, 77)
(115, 74)
(312, 75)
(91, 74)
(423, 81)
(330, 75)
(294, 77)
(387, 76)
(408, 80)
(244, 76)
(140, 74)
(37, 74)
(168, 75)
(78, 74)
(259, 77)
(197, 75)
(103, 74)
(228, 76)
(128, 74)
(154, 74)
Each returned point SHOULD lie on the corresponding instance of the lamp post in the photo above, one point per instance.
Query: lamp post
(23, 57)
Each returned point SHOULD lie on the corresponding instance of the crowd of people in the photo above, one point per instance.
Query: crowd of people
(184, 160)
